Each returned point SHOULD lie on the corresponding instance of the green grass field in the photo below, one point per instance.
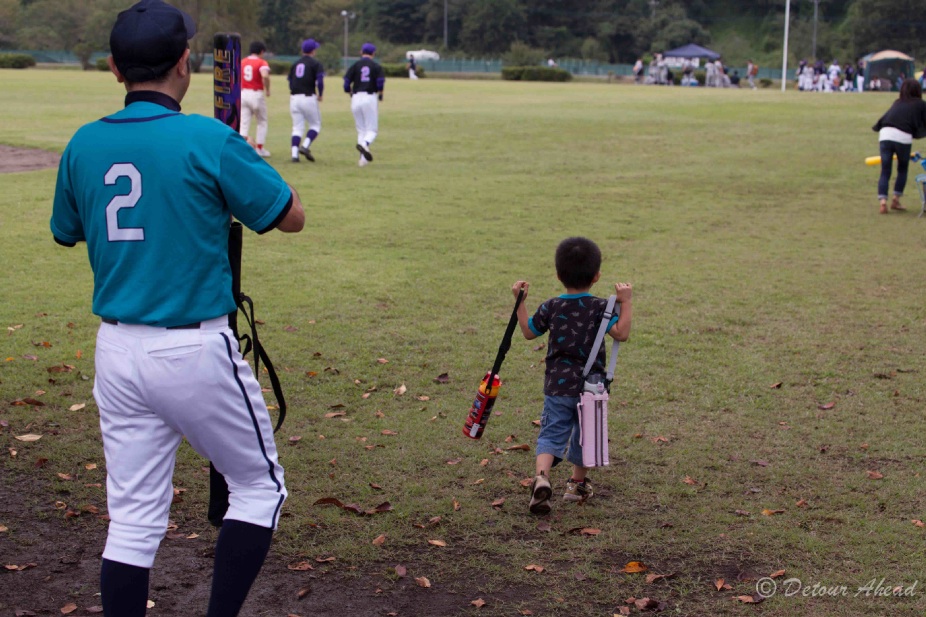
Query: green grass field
(776, 360)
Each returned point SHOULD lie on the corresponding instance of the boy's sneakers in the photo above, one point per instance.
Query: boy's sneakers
(578, 491)
(540, 495)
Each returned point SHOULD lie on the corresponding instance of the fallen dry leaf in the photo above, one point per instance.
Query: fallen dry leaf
(300, 566)
(379, 540)
(400, 571)
(68, 608)
(768, 512)
(28, 437)
(90, 466)
(689, 480)
(720, 584)
(753, 599)
(741, 513)
(649, 604)
(423, 581)
(335, 414)
(635, 567)
(4, 529)
(498, 502)
(652, 578)
(777, 574)
(400, 390)
(388, 432)
(382, 360)
(775, 385)
(325, 559)
(534, 567)
(801, 503)
(826, 406)
(872, 475)
(918, 523)
(522, 446)
(437, 542)
(77, 407)
(478, 602)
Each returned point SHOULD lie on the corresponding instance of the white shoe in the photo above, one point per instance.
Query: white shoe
(363, 162)
(264, 153)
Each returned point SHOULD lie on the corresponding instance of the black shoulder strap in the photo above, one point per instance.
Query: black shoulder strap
(252, 342)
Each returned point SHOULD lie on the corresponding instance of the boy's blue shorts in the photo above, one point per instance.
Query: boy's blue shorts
(559, 429)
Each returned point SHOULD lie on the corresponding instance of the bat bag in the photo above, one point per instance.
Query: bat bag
(593, 402)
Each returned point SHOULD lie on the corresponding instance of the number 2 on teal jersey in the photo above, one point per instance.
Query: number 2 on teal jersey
(113, 231)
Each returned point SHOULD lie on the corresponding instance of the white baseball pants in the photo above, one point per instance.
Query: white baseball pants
(365, 108)
(304, 110)
(155, 386)
(253, 103)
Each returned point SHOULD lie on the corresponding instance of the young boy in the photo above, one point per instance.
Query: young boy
(572, 320)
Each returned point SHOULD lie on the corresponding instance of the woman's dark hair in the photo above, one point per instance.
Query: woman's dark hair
(578, 260)
(910, 89)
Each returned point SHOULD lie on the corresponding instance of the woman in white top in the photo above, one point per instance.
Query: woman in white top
(897, 128)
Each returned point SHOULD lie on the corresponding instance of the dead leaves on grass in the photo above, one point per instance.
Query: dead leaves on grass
(354, 508)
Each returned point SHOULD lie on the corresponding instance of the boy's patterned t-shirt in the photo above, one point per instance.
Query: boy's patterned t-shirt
(572, 321)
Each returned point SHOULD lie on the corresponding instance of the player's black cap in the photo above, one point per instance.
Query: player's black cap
(148, 38)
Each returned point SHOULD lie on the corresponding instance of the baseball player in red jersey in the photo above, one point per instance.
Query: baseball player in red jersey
(255, 88)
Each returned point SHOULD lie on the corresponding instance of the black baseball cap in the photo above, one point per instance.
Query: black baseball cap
(148, 39)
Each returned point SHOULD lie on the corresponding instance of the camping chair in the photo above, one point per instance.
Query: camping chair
(920, 181)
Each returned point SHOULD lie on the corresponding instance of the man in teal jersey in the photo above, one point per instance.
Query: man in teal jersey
(152, 192)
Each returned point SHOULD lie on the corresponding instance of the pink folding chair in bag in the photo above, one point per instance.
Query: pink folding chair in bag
(593, 402)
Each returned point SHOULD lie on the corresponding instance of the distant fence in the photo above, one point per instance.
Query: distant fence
(445, 65)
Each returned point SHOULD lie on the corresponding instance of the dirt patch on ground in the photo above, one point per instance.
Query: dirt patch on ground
(26, 159)
(58, 560)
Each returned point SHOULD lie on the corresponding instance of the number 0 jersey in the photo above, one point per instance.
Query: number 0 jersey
(152, 192)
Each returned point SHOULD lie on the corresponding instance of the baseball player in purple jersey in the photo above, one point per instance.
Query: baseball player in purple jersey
(151, 191)
(364, 81)
(306, 76)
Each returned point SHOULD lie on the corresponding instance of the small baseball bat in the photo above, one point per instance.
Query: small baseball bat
(481, 409)
(875, 160)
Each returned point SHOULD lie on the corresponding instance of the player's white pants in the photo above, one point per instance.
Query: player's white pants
(365, 108)
(155, 386)
(304, 110)
(412, 74)
(253, 103)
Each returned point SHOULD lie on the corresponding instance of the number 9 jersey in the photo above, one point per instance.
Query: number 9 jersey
(155, 213)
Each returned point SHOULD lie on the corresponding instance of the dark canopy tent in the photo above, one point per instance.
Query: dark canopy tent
(692, 51)
(887, 66)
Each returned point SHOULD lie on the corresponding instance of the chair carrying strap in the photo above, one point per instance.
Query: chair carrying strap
(599, 339)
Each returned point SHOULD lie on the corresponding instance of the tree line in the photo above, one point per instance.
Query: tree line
(614, 31)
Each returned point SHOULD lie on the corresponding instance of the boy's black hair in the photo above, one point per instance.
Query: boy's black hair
(578, 260)
(257, 47)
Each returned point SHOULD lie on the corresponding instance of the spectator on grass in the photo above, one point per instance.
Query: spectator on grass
(849, 81)
(638, 71)
(897, 128)
(735, 79)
